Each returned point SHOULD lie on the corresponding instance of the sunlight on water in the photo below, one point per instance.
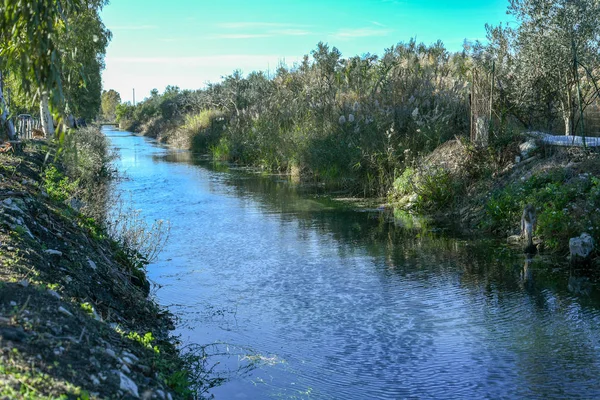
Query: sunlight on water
(303, 299)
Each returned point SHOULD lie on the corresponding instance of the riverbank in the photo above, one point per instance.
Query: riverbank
(483, 189)
(75, 317)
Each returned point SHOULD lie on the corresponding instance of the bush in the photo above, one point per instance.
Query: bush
(566, 207)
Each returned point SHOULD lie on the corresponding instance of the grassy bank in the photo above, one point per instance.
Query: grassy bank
(487, 188)
(75, 317)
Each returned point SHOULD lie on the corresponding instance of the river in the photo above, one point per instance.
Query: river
(307, 299)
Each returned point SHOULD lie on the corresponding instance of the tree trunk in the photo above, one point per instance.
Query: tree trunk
(45, 116)
(4, 116)
(567, 119)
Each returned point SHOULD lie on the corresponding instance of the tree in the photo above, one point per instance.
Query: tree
(558, 53)
(35, 44)
(110, 100)
(82, 47)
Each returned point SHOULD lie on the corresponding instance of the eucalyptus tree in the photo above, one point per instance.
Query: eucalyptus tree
(110, 99)
(32, 45)
(82, 47)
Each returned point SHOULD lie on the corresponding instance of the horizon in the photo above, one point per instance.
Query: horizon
(182, 47)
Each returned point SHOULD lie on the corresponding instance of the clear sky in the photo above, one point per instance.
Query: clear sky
(190, 42)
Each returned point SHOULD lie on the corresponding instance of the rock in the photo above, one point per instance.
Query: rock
(581, 247)
(514, 239)
(130, 356)
(54, 294)
(13, 334)
(527, 147)
(24, 283)
(12, 303)
(169, 396)
(92, 264)
(111, 353)
(53, 252)
(128, 385)
(127, 360)
(160, 394)
(59, 350)
(125, 369)
(63, 310)
(95, 380)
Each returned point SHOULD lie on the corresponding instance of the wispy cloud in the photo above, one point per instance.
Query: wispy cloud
(290, 32)
(202, 61)
(240, 35)
(361, 32)
(378, 24)
(257, 25)
(132, 27)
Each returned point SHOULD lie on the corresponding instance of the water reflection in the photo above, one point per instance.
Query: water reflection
(356, 305)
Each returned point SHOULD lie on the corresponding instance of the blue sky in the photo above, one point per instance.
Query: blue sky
(190, 42)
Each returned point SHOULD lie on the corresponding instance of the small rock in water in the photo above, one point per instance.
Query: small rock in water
(24, 283)
(581, 247)
(111, 353)
(92, 264)
(53, 252)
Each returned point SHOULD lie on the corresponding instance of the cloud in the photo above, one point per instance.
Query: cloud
(132, 27)
(290, 32)
(378, 24)
(240, 35)
(202, 61)
(361, 32)
(246, 25)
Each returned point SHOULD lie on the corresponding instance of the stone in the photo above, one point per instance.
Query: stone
(127, 360)
(53, 252)
(92, 264)
(130, 356)
(63, 310)
(527, 147)
(95, 380)
(54, 294)
(128, 385)
(125, 369)
(24, 283)
(160, 394)
(581, 247)
(13, 303)
(111, 353)
(13, 334)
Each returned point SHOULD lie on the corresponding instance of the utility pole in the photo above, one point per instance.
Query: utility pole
(134, 97)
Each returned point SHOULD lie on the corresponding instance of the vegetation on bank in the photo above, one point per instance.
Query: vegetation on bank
(75, 317)
(359, 123)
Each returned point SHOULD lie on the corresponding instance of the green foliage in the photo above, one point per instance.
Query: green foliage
(346, 122)
(57, 185)
(146, 340)
(566, 206)
(110, 100)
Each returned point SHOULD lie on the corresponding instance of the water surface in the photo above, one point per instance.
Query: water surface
(332, 303)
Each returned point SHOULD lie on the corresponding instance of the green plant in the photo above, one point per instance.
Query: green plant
(145, 340)
(58, 186)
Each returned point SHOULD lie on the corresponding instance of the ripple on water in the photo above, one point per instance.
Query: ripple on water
(349, 307)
